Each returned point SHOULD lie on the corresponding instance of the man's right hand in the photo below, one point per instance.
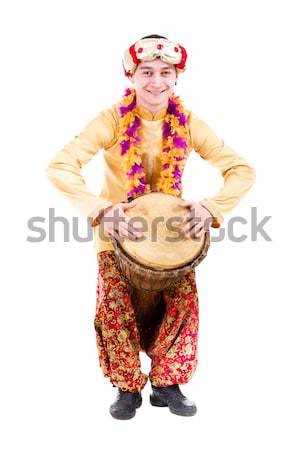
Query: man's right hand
(116, 222)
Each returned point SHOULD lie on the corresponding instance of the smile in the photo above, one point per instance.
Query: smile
(155, 93)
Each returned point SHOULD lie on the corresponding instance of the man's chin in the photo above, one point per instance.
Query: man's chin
(154, 100)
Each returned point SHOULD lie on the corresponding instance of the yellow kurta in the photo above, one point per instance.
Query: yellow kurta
(101, 133)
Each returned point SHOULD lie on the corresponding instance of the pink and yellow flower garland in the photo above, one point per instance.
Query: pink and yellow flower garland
(174, 151)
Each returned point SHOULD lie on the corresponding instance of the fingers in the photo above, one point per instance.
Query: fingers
(187, 202)
(133, 229)
(190, 213)
(191, 217)
(207, 223)
(187, 217)
(194, 232)
(127, 230)
(120, 234)
(122, 226)
(123, 232)
(199, 234)
(188, 227)
(128, 205)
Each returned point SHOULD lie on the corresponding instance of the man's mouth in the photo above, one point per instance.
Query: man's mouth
(155, 92)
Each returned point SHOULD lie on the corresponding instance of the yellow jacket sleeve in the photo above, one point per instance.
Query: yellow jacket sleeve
(64, 168)
(238, 175)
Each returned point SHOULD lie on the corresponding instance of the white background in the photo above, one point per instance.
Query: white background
(60, 66)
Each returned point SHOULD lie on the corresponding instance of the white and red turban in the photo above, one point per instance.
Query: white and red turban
(151, 48)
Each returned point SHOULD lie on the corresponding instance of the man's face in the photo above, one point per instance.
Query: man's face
(154, 81)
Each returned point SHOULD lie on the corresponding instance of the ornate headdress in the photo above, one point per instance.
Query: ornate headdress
(151, 48)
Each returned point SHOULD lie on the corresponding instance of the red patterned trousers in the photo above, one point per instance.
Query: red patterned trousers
(173, 347)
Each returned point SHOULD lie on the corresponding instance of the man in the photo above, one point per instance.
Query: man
(147, 128)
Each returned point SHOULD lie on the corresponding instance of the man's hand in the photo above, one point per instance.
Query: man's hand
(196, 221)
(116, 222)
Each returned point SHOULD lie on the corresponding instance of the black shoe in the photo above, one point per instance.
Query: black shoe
(125, 404)
(172, 397)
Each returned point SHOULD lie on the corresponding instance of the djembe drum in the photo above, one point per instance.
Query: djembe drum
(160, 258)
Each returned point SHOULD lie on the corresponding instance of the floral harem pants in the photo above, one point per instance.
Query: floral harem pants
(172, 346)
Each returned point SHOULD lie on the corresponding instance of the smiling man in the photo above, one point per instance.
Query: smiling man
(148, 123)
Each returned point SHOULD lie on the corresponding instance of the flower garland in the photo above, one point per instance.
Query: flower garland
(174, 151)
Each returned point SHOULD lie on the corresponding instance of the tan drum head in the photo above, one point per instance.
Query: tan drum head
(163, 245)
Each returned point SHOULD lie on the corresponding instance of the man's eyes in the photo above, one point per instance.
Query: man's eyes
(148, 71)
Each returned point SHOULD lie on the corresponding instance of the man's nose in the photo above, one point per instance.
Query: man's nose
(157, 80)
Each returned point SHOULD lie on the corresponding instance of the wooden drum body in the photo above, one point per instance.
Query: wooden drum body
(164, 255)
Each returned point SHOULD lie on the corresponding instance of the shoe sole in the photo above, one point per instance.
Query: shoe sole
(126, 417)
(155, 402)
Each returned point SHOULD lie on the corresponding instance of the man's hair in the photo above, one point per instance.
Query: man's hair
(156, 36)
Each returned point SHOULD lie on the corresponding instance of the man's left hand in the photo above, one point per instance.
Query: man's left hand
(196, 221)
